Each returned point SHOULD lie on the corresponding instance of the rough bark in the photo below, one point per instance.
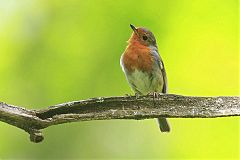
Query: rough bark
(128, 107)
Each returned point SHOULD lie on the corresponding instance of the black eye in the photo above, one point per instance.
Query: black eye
(144, 38)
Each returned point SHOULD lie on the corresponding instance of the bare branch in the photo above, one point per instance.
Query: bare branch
(144, 107)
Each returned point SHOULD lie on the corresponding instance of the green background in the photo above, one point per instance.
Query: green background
(57, 51)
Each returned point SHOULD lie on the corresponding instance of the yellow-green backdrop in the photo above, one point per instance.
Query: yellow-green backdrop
(58, 51)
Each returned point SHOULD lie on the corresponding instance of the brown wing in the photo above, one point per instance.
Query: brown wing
(162, 68)
(165, 85)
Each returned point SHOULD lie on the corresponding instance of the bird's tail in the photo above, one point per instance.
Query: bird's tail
(163, 125)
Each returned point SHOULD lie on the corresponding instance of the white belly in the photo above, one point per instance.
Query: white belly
(144, 83)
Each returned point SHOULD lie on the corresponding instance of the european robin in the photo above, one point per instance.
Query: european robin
(144, 68)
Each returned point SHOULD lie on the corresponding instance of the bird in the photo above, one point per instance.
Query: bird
(144, 68)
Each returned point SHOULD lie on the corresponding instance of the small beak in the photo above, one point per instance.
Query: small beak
(134, 28)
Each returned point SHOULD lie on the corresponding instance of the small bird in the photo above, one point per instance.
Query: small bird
(143, 67)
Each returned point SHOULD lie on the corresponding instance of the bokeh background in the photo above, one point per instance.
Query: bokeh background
(58, 51)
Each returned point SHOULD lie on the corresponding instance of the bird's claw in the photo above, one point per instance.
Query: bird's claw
(137, 95)
(154, 94)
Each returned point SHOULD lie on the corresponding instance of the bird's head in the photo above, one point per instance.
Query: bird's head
(143, 36)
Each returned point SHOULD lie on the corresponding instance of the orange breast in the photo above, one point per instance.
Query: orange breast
(137, 56)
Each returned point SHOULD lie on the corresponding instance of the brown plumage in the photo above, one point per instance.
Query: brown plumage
(144, 68)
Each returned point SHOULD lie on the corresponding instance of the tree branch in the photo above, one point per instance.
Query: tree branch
(129, 107)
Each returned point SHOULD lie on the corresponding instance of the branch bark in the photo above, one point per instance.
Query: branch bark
(128, 107)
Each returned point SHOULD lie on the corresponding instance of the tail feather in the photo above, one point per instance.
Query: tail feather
(163, 125)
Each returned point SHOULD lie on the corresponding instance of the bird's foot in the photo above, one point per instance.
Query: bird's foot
(137, 95)
(154, 94)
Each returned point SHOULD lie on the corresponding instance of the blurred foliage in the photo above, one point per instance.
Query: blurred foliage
(57, 51)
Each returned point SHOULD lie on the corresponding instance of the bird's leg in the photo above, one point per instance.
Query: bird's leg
(154, 94)
(137, 95)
